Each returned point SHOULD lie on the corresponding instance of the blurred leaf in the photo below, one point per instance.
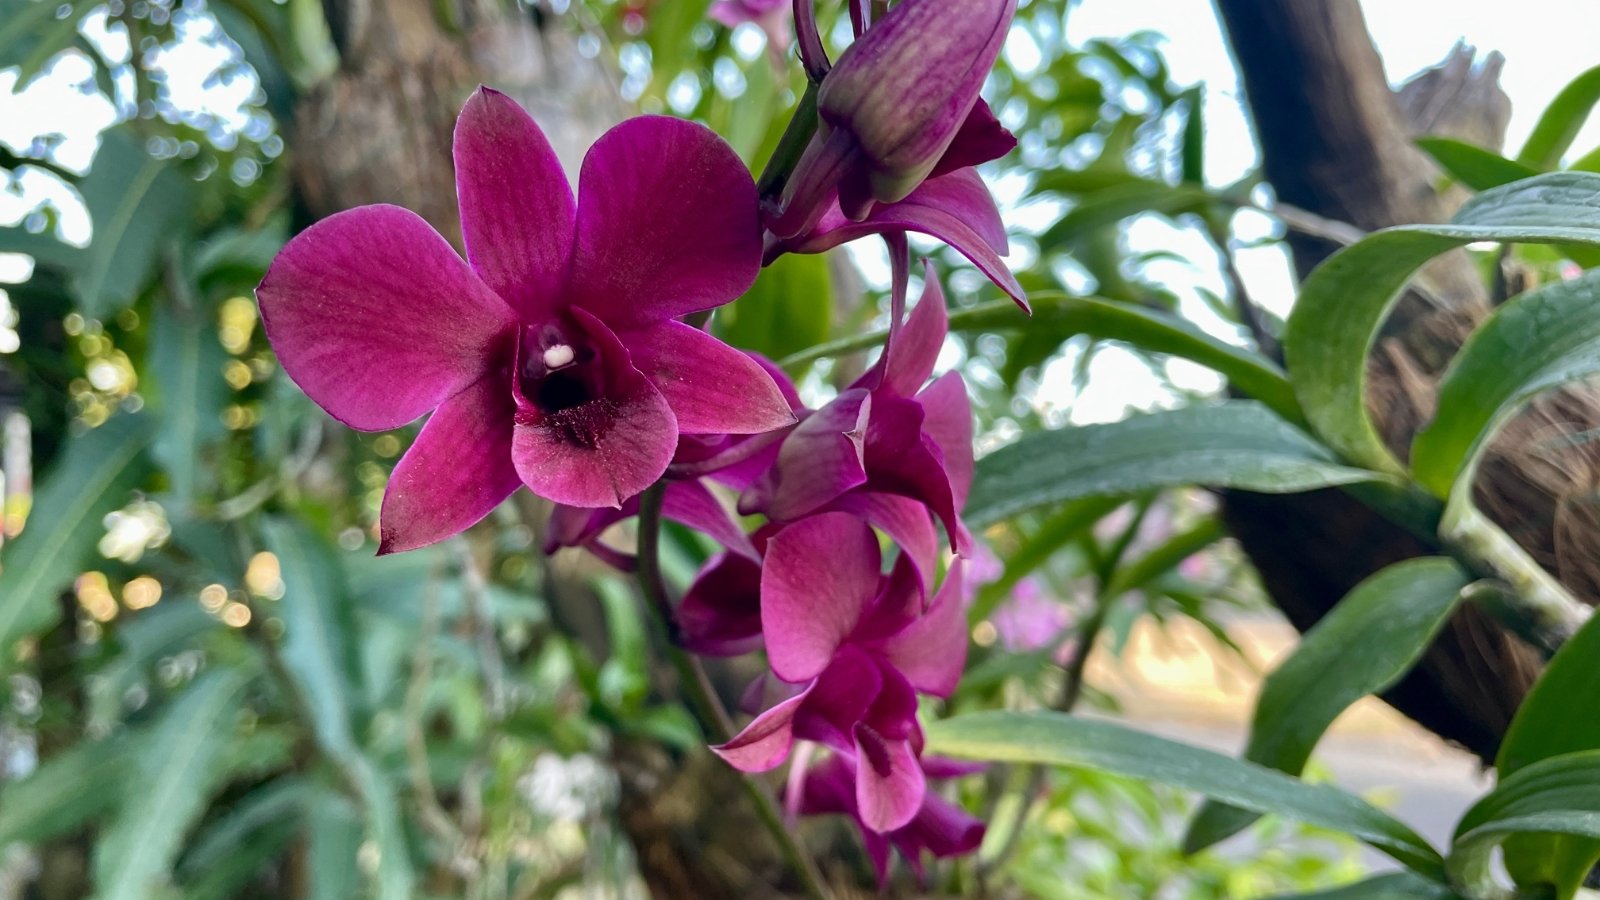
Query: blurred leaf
(278, 801)
(1164, 557)
(1063, 525)
(186, 362)
(1113, 204)
(1345, 300)
(788, 309)
(1559, 795)
(176, 771)
(33, 31)
(333, 839)
(140, 642)
(66, 790)
(138, 204)
(1194, 136)
(91, 478)
(1472, 165)
(1534, 342)
(1392, 886)
(669, 34)
(1058, 739)
(1561, 121)
(1363, 646)
(1238, 444)
(319, 643)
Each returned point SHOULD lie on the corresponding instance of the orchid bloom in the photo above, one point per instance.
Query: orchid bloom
(858, 646)
(939, 827)
(883, 441)
(551, 357)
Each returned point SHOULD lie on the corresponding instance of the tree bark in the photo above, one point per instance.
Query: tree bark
(1336, 141)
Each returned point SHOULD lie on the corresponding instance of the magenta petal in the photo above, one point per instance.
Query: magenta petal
(820, 574)
(764, 744)
(904, 520)
(821, 459)
(712, 388)
(667, 223)
(720, 614)
(942, 828)
(691, 503)
(932, 651)
(839, 698)
(603, 451)
(911, 356)
(889, 782)
(517, 211)
(376, 318)
(955, 208)
(982, 138)
(458, 470)
(947, 420)
(902, 460)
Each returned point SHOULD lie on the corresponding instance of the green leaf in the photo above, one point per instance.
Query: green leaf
(176, 771)
(279, 800)
(66, 790)
(1392, 886)
(1472, 165)
(334, 836)
(186, 362)
(1346, 299)
(1057, 739)
(319, 641)
(1555, 796)
(1111, 205)
(1253, 374)
(1561, 121)
(93, 477)
(1063, 525)
(1363, 646)
(138, 205)
(141, 641)
(1537, 341)
(1238, 444)
(787, 310)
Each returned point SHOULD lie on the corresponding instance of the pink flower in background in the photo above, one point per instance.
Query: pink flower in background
(1031, 619)
(857, 646)
(551, 357)
(771, 16)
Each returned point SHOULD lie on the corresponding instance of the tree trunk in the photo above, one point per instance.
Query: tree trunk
(380, 131)
(1337, 142)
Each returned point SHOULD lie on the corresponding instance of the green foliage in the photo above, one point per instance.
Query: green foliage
(1061, 740)
(788, 310)
(1556, 796)
(1559, 124)
(1474, 166)
(1238, 444)
(1363, 646)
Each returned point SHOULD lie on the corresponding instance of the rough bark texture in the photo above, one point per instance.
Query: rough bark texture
(1336, 141)
(380, 131)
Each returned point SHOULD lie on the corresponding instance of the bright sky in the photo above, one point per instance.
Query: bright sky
(1546, 43)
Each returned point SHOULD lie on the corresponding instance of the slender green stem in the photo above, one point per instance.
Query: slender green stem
(790, 146)
(702, 699)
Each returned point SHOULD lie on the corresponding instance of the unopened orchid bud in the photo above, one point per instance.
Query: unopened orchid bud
(904, 89)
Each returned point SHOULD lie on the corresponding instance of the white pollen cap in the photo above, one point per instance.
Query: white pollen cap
(557, 356)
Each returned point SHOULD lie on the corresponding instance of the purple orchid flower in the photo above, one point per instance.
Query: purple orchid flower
(861, 646)
(899, 107)
(939, 827)
(552, 357)
(882, 442)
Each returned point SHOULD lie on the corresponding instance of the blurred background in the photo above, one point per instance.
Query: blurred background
(212, 688)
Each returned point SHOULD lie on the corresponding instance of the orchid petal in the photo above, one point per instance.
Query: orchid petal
(456, 472)
(905, 521)
(839, 698)
(947, 421)
(720, 614)
(819, 576)
(890, 785)
(940, 827)
(912, 354)
(712, 388)
(932, 651)
(982, 138)
(517, 212)
(667, 223)
(691, 503)
(764, 744)
(603, 451)
(821, 459)
(902, 460)
(376, 318)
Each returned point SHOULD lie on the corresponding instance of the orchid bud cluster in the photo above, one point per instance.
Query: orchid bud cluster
(556, 356)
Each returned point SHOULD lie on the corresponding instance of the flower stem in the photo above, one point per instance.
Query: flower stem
(702, 699)
(790, 146)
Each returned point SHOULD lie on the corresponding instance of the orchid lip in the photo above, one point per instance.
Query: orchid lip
(557, 371)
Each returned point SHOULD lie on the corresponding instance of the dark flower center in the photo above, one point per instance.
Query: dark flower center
(559, 370)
